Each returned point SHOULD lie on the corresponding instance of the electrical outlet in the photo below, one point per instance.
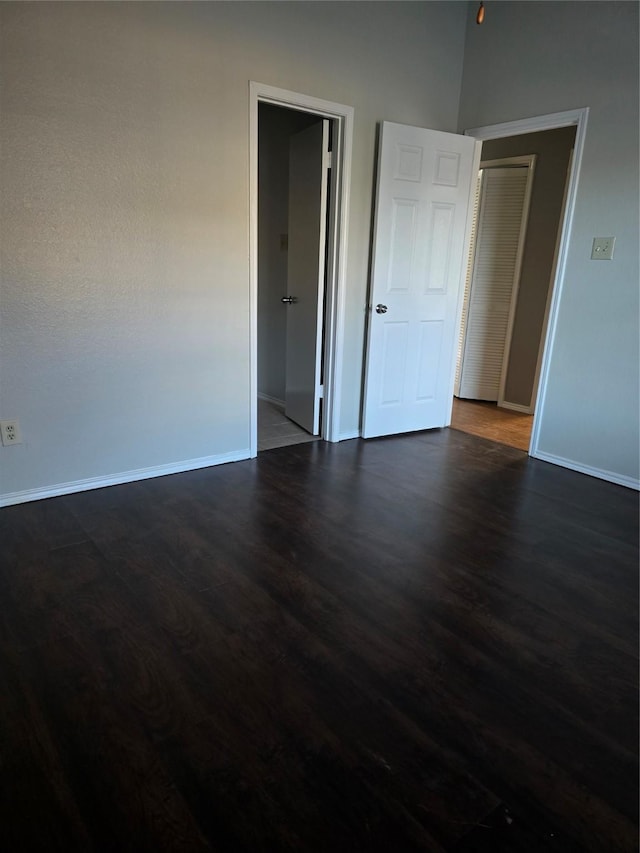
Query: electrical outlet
(10, 432)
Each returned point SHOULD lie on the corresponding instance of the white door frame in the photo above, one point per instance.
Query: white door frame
(337, 234)
(578, 119)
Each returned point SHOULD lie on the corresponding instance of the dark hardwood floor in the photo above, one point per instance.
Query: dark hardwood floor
(426, 642)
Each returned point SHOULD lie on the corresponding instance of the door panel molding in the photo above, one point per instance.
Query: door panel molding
(337, 240)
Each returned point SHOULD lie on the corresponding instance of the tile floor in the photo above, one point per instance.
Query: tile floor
(276, 430)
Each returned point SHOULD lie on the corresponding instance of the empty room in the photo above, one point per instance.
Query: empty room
(391, 633)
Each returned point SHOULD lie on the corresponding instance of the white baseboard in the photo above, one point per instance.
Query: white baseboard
(619, 479)
(346, 436)
(516, 407)
(12, 498)
(269, 399)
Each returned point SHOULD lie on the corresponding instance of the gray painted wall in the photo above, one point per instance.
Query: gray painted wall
(275, 126)
(125, 210)
(553, 150)
(534, 58)
(125, 206)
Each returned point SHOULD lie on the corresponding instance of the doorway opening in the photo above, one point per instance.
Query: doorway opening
(300, 160)
(293, 195)
(519, 221)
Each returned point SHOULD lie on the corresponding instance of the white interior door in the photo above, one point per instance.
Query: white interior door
(308, 165)
(421, 240)
(502, 216)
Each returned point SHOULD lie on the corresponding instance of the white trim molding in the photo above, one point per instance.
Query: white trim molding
(577, 118)
(610, 476)
(12, 498)
(337, 247)
(550, 121)
(524, 160)
(516, 407)
(347, 436)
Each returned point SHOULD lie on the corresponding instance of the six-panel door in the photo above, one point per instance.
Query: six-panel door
(421, 236)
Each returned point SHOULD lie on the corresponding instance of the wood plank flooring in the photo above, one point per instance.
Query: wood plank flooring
(426, 642)
(487, 420)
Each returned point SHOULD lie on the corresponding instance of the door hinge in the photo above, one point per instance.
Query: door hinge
(321, 392)
(328, 159)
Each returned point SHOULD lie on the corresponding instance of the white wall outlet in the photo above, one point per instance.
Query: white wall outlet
(602, 249)
(10, 432)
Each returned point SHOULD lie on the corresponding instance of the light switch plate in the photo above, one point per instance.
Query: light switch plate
(602, 249)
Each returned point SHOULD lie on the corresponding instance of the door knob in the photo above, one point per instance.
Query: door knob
(288, 300)
(381, 309)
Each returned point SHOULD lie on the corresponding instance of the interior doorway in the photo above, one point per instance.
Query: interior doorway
(293, 194)
(315, 295)
(516, 359)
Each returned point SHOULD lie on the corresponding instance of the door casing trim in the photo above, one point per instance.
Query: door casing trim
(337, 237)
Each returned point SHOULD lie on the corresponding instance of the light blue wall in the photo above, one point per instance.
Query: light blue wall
(533, 58)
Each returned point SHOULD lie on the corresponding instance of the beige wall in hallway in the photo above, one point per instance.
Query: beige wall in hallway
(552, 149)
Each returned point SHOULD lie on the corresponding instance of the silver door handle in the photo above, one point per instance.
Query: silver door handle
(288, 300)
(381, 309)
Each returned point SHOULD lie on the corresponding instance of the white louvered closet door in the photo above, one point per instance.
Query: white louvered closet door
(498, 244)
